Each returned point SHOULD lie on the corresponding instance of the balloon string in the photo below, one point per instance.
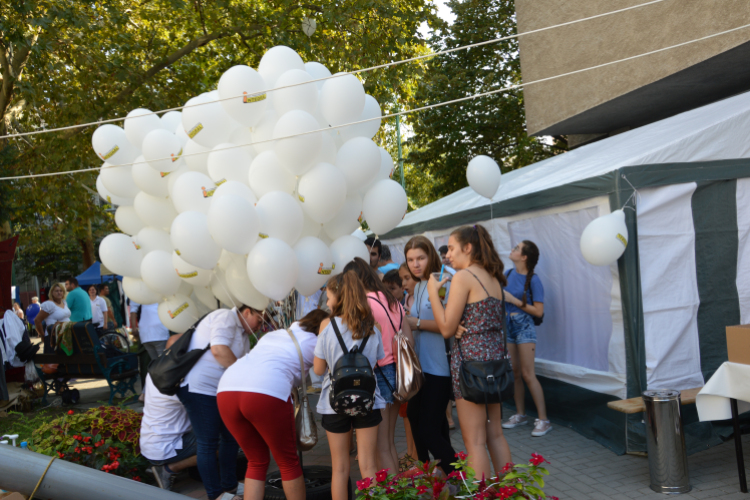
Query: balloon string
(633, 196)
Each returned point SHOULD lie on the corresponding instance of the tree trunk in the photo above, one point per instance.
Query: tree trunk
(87, 245)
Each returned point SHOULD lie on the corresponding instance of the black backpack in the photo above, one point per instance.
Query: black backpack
(352, 380)
(170, 369)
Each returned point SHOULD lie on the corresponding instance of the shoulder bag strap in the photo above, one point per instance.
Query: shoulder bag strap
(338, 335)
(389, 316)
(301, 363)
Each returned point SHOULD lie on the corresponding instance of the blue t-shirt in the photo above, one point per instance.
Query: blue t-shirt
(79, 304)
(515, 287)
(389, 267)
(430, 346)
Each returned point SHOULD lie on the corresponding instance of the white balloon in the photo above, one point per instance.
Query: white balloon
(171, 120)
(121, 255)
(158, 274)
(310, 227)
(317, 70)
(483, 175)
(173, 176)
(205, 120)
(344, 249)
(233, 223)
(109, 197)
(605, 238)
(153, 211)
(234, 188)
(359, 159)
(193, 191)
(322, 192)
(367, 129)
(191, 274)
(241, 287)
(127, 220)
(150, 239)
(192, 240)
(347, 219)
(119, 180)
(148, 179)
(276, 61)
(178, 313)
(162, 150)
(243, 135)
(139, 292)
(315, 265)
(185, 289)
(206, 297)
(280, 217)
(328, 149)
(181, 135)
(272, 267)
(227, 259)
(342, 99)
(385, 172)
(196, 157)
(297, 154)
(229, 164)
(384, 206)
(138, 124)
(359, 234)
(262, 133)
(238, 89)
(111, 144)
(220, 289)
(302, 97)
(267, 175)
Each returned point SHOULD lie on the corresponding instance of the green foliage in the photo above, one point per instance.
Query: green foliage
(446, 138)
(69, 62)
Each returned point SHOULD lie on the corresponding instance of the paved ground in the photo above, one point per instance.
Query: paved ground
(580, 468)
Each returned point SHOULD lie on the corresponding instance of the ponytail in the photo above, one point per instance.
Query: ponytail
(352, 306)
(482, 250)
(531, 252)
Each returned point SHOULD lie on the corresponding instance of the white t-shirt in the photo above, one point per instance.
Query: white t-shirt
(150, 327)
(98, 308)
(221, 327)
(272, 366)
(328, 348)
(164, 423)
(56, 313)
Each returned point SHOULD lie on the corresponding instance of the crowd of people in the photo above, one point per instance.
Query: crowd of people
(463, 306)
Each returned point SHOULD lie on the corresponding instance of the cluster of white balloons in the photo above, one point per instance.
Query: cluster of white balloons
(605, 238)
(205, 214)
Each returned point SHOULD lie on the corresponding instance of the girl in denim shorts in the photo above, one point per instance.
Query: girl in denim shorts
(524, 298)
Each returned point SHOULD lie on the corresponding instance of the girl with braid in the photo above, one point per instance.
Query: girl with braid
(524, 297)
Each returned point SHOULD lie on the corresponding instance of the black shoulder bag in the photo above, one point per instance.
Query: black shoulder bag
(487, 382)
(170, 369)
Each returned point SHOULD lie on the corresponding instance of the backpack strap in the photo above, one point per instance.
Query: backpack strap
(338, 336)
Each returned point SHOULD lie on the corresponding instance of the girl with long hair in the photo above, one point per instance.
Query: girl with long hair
(426, 410)
(351, 311)
(476, 302)
(389, 314)
(524, 296)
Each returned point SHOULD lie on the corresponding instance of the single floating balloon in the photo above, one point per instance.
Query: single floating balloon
(483, 175)
(604, 240)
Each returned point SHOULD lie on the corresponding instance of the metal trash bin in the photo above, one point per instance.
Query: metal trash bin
(665, 441)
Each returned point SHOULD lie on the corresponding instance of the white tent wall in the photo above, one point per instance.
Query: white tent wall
(581, 341)
(743, 254)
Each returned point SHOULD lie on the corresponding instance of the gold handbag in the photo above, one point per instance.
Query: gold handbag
(307, 430)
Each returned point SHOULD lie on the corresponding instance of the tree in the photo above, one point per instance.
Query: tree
(69, 62)
(446, 138)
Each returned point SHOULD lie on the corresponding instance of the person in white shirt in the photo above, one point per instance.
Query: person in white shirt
(167, 440)
(223, 334)
(98, 306)
(255, 405)
(149, 328)
(52, 312)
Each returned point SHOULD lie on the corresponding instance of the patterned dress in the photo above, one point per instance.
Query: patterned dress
(482, 340)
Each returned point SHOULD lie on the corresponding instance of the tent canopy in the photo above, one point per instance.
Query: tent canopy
(93, 275)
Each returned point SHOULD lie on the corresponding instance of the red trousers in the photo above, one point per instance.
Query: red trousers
(261, 423)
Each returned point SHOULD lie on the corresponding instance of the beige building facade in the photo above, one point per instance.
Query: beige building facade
(618, 97)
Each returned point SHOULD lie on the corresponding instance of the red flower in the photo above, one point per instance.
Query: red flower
(60, 455)
(87, 439)
(461, 455)
(381, 476)
(437, 487)
(422, 489)
(70, 412)
(78, 450)
(364, 484)
(508, 467)
(457, 474)
(537, 459)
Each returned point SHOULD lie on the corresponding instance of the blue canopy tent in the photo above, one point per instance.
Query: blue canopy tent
(94, 274)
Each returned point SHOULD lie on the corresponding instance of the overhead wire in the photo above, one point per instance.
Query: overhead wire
(391, 115)
(337, 75)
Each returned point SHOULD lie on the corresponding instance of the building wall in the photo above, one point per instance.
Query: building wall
(590, 43)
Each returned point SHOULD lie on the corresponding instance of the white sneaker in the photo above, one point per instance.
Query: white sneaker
(541, 427)
(515, 421)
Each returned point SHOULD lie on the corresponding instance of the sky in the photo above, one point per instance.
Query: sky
(444, 12)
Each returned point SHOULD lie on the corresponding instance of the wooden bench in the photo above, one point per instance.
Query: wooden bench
(88, 362)
(636, 405)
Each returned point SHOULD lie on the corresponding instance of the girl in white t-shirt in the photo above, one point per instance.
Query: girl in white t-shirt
(98, 307)
(52, 312)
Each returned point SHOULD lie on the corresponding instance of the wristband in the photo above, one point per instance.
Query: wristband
(419, 321)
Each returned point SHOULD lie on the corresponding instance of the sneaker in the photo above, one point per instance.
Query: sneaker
(164, 478)
(515, 421)
(541, 427)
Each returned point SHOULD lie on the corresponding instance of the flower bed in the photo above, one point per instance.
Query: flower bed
(425, 482)
(104, 438)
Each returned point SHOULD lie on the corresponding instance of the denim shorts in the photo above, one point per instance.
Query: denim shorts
(189, 447)
(341, 424)
(386, 375)
(521, 329)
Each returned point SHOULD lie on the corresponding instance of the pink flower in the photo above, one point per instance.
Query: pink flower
(364, 483)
